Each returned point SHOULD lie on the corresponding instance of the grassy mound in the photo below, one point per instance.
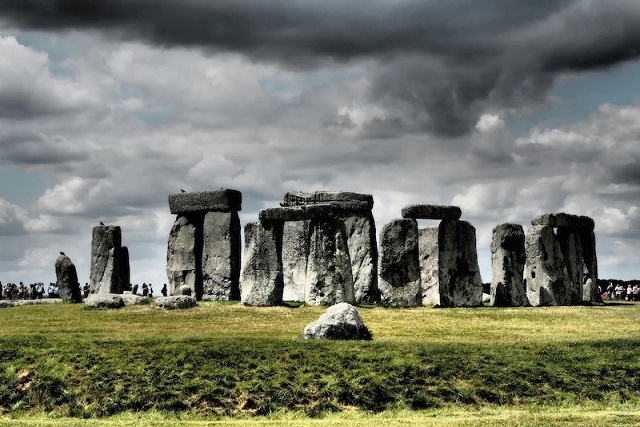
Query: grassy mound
(229, 360)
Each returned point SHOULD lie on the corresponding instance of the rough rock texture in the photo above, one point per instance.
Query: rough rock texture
(431, 212)
(218, 200)
(67, 280)
(105, 270)
(261, 281)
(398, 264)
(329, 279)
(176, 302)
(341, 199)
(124, 270)
(507, 266)
(459, 274)
(564, 220)
(131, 299)
(590, 268)
(184, 251)
(103, 301)
(19, 303)
(428, 257)
(295, 251)
(221, 248)
(298, 213)
(548, 281)
(571, 248)
(363, 251)
(340, 322)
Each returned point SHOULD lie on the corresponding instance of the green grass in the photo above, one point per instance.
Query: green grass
(226, 362)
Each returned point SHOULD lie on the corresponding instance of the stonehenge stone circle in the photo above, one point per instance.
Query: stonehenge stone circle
(340, 322)
(203, 251)
(261, 282)
(109, 261)
(459, 274)
(507, 266)
(399, 267)
(431, 212)
(67, 280)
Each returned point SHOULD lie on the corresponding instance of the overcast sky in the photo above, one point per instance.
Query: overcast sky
(506, 109)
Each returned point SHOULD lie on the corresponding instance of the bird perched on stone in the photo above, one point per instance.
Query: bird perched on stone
(101, 223)
(62, 253)
(182, 191)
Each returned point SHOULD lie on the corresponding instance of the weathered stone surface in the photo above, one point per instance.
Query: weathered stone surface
(20, 303)
(564, 220)
(176, 302)
(340, 322)
(105, 273)
(184, 254)
(124, 270)
(329, 279)
(298, 213)
(219, 200)
(548, 281)
(398, 264)
(221, 248)
(571, 248)
(67, 280)
(261, 282)
(459, 274)
(363, 252)
(131, 299)
(428, 256)
(590, 268)
(345, 200)
(295, 251)
(507, 266)
(103, 301)
(431, 212)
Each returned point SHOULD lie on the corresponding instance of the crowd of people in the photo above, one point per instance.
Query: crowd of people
(20, 291)
(622, 292)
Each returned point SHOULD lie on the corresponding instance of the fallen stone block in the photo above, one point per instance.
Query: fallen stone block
(431, 212)
(176, 302)
(103, 302)
(398, 264)
(340, 322)
(507, 266)
(131, 299)
(206, 201)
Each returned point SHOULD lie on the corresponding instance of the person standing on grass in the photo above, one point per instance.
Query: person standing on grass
(163, 291)
(145, 290)
(150, 291)
(636, 292)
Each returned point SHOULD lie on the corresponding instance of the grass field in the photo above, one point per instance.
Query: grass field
(225, 364)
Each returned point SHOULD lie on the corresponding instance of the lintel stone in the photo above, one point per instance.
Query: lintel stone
(343, 199)
(224, 200)
(298, 213)
(562, 219)
(431, 212)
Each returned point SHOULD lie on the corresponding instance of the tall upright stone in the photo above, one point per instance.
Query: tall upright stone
(360, 229)
(590, 268)
(124, 272)
(105, 263)
(67, 279)
(548, 281)
(295, 252)
(204, 246)
(329, 278)
(398, 264)
(261, 280)
(184, 257)
(459, 273)
(507, 266)
(429, 265)
(571, 248)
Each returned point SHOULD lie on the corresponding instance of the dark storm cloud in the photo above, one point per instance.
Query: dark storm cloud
(439, 65)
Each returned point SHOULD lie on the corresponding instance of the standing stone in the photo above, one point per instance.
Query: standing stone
(571, 248)
(548, 281)
(295, 251)
(261, 282)
(507, 266)
(363, 251)
(67, 280)
(220, 256)
(329, 279)
(105, 243)
(459, 274)
(183, 254)
(124, 270)
(399, 267)
(590, 268)
(428, 256)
